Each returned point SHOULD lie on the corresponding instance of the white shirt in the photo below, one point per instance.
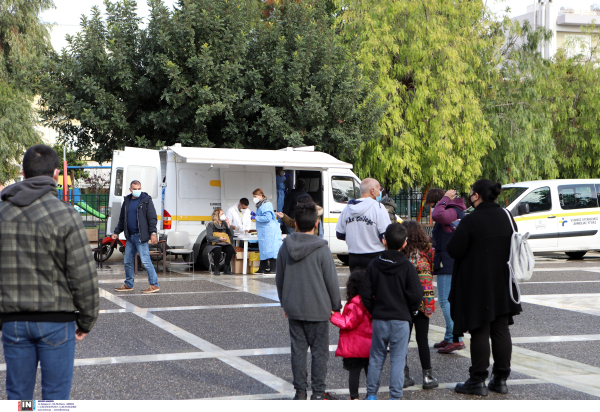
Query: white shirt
(363, 221)
(241, 223)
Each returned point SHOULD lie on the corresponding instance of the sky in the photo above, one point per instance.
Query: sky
(68, 12)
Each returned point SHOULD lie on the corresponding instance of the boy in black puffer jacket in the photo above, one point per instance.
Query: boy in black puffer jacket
(391, 292)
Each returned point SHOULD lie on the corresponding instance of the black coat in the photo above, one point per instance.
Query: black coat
(480, 247)
(146, 214)
(289, 204)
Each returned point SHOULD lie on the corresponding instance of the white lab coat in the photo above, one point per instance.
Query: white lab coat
(234, 219)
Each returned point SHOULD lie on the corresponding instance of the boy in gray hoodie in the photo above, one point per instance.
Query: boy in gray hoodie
(309, 292)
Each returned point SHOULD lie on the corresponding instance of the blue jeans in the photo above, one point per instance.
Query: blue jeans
(52, 344)
(396, 334)
(443, 286)
(135, 246)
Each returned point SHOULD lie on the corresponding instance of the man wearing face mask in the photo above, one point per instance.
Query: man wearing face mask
(48, 281)
(138, 220)
(362, 224)
(239, 216)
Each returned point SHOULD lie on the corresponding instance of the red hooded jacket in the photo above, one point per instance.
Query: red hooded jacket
(356, 330)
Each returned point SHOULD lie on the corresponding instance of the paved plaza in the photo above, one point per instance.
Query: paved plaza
(226, 337)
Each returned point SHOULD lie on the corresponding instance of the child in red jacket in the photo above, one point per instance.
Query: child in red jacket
(356, 332)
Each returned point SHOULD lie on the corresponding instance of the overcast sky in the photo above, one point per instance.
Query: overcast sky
(68, 12)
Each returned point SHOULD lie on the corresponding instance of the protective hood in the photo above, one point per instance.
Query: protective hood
(391, 262)
(29, 190)
(300, 245)
(359, 207)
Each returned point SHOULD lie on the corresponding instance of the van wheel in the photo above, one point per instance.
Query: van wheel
(202, 259)
(575, 255)
(345, 259)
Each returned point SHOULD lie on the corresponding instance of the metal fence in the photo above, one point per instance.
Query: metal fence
(92, 207)
(408, 204)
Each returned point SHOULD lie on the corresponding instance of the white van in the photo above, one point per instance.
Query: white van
(560, 215)
(188, 183)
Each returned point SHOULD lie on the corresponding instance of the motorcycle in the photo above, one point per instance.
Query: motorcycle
(108, 246)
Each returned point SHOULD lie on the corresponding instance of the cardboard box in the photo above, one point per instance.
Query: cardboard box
(237, 263)
(92, 235)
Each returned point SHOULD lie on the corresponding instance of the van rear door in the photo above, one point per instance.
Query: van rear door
(128, 165)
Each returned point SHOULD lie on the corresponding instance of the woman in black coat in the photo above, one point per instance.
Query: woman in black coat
(479, 296)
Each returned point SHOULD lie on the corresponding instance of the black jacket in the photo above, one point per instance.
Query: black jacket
(480, 247)
(146, 214)
(392, 289)
(289, 204)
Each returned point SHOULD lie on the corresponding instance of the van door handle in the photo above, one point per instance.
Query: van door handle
(335, 211)
(551, 217)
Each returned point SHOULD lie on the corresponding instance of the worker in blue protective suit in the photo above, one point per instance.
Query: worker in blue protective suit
(269, 234)
(280, 184)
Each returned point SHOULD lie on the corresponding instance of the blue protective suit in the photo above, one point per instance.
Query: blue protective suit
(280, 181)
(269, 234)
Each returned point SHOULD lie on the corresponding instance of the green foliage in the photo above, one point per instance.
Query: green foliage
(432, 59)
(208, 73)
(23, 41)
(516, 107)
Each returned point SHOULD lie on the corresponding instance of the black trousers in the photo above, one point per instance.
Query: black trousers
(501, 349)
(267, 264)
(313, 335)
(219, 250)
(361, 260)
(354, 380)
(421, 324)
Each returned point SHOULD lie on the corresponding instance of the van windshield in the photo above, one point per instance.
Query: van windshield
(509, 195)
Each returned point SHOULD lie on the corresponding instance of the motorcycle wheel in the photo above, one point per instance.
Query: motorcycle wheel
(107, 252)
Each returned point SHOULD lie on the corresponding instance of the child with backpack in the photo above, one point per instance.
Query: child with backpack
(391, 292)
(418, 251)
(355, 333)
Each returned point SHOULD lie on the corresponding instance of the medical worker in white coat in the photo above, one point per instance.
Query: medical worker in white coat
(268, 231)
(239, 216)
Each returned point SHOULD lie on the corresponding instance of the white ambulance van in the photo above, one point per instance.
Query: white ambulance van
(560, 215)
(188, 183)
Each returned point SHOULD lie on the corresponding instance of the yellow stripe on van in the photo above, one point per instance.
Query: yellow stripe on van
(331, 220)
(215, 183)
(157, 217)
(523, 218)
(182, 218)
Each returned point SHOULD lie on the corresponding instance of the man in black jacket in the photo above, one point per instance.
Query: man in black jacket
(138, 220)
(391, 292)
(291, 200)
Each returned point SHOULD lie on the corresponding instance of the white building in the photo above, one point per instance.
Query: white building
(565, 23)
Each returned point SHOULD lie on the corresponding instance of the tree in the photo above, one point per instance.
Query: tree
(574, 96)
(24, 39)
(207, 73)
(516, 105)
(432, 59)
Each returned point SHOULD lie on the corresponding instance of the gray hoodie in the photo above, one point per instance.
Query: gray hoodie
(29, 190)
(307, 282)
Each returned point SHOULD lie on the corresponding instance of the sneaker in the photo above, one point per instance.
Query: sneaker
(325, 396)
(371, 398)
(124, 288)
(300, 396)
(451, 347)
(151, 289)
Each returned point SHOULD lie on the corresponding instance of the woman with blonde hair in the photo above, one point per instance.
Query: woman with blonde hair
(217, 245)
(268, 231)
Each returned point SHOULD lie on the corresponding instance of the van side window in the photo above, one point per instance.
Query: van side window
(344, 188)
(582, 196)
(119, 182)
(539, 200)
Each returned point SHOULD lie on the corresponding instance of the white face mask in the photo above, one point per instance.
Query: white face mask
(223, 218)
(282, 173)
(256, 200)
